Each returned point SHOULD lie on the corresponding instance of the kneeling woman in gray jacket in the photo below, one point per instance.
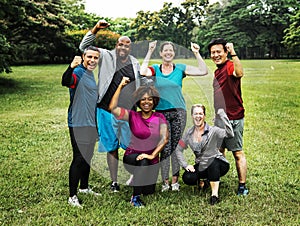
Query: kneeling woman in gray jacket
(205, 140)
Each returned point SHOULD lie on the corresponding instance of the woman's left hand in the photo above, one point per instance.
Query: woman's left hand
(195, 47)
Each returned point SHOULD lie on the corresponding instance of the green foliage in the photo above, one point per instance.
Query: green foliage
(5, 55)
(36, 153)
(256, 27)
(121, 26)
(105, 38)
(170, 23)
(48, 31)
(292, 34)
(74, 12)
(108, 39)
(34, 32)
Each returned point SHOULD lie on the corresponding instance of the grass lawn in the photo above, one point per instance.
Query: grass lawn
(35, 154)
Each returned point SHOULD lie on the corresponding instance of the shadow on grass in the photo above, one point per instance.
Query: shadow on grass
(8, 85)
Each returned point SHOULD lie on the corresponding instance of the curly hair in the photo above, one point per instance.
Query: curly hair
(150, 90)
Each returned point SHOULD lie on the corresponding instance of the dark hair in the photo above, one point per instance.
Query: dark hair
(94, 48)
(167, 43)
(150, 90)
(217, 41)
(197, 106)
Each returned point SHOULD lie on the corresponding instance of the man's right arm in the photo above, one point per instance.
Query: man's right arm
(90, 37)
(69, 79)
(87, 40)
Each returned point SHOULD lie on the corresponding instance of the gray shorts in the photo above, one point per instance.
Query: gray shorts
(234, 143)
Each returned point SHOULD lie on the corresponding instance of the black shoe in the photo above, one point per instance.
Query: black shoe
(242, 190)
(114, 187)
(213, 200)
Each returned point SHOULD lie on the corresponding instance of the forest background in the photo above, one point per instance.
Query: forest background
(49, 31)
(35, 151)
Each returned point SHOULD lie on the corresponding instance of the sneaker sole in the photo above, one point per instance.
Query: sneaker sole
(78, 206)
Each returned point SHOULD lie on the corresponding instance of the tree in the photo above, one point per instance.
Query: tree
(256, 27)
(170, 23)
(6, 50)
(190, 15)
(157, 25)
(34, 30)
(292, 35)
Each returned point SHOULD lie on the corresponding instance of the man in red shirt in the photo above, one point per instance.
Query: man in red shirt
(228, 95)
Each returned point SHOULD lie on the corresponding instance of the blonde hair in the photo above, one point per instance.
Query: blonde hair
(197, 106)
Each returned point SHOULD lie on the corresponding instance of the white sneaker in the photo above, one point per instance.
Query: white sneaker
(165, 187)
(88, 191)
(73, 201)
(175, 186)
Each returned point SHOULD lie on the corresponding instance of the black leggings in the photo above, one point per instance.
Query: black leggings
(216, 169)
(144, 174)
(83, 140)
(176, 123)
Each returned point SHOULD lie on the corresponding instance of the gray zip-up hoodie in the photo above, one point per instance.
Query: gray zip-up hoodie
(107, 65)
(208, 149)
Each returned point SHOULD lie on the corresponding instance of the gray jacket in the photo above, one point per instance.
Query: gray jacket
(208, 149)
(107, 65)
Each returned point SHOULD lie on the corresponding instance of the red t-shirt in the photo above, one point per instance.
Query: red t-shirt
(227, 91)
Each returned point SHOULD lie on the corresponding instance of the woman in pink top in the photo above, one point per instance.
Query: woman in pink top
(149, 136)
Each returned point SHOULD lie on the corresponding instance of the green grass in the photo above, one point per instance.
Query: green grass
(35, 155)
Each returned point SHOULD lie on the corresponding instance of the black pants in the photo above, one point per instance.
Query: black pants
(144, 174)
(216, 169)
(83, 140)
(176, 119)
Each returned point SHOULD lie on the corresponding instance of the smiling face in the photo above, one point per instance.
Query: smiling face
(167, 52)
(198, 116)
(90, 59)
(123, 47)
(146, 103)
(218, 54)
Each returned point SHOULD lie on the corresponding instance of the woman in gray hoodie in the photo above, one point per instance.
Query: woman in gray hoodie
(205, 141)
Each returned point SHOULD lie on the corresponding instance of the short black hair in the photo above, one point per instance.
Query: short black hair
(217, 41)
